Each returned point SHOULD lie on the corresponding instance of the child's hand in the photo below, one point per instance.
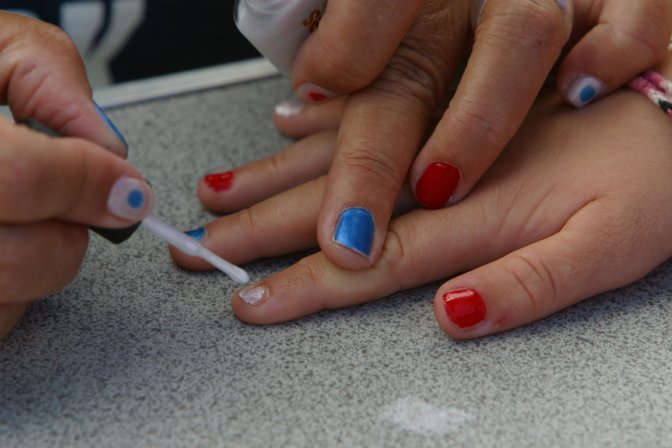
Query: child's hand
(400, 60)
(576, 205)
(51, 188)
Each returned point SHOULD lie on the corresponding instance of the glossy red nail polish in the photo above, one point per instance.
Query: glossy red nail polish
(219, 182)
(465, 307)
(437, 184)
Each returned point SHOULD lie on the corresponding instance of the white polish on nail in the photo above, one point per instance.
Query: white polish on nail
(584, 90)
(287, 109)
(130, 199)
(567, 8)
(254, 294)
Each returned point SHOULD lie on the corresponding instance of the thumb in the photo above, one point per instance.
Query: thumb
(588, 256)
(42, 77)
(626, 39)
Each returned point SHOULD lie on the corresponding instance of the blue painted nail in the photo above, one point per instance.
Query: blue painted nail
(355, 230)
(197, 234)
(130, 199)
(109, 124)
(585, 90)
(136, 198)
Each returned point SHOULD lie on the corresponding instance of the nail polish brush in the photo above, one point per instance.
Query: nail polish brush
(192, 247)
(167, 233)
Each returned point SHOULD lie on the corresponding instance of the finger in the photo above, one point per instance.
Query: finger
(585, 258)
(42, 77)
(233, 190)
(413, 255)
(297, 120)
(71, 179)
(39, 259)
(351, 47)
(280, 225)
(625, 39)
(10, 315)
(382, 129)
(516, 45)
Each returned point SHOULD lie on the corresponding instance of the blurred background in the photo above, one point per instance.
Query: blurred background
(124, 40)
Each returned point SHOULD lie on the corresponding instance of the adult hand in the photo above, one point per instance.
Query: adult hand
(569, 210)
(51, 188)
(408, 59)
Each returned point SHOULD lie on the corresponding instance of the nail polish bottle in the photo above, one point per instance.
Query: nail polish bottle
(277, 28)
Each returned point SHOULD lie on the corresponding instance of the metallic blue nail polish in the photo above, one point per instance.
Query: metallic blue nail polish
(197, 234)
(109, 124)
(355, 230)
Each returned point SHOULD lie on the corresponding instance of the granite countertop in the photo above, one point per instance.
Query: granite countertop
(136, 352)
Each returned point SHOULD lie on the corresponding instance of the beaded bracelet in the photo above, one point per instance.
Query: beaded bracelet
(656, 87)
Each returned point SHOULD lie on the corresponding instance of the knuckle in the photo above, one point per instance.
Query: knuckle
(310, 272)
(340, 70)
(374, 167)
(536, 22)
(479, 123)
(413, 76)
(58, 39)
(393, 258)
(248, 220)
(536, 283)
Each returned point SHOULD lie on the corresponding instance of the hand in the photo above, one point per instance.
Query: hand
(574, 206)
(51, 188)
(400, 75)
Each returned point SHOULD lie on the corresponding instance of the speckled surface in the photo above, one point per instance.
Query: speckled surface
(136, 352)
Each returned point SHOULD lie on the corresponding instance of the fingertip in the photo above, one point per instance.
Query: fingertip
(111, 137)
(273, 300)
(296, 119)
(213, 190)
(624, 40)
(461, 312)
(351, 242)
(188, 262)
(583, 90)
(466, 308)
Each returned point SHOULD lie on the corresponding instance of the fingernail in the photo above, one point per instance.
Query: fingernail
(253, 295)
(567, 8)
(288, 109)
(111, 126)
(437, 184)
(311, 93)
(197, 234)
(219, 182)
(585, 90)
(464, 307)
(354, 230)
(130, 199)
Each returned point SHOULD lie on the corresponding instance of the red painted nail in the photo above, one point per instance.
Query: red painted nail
(219, 181)
(437, 184)
(317, 97)
(313, 93)
(465, 307)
